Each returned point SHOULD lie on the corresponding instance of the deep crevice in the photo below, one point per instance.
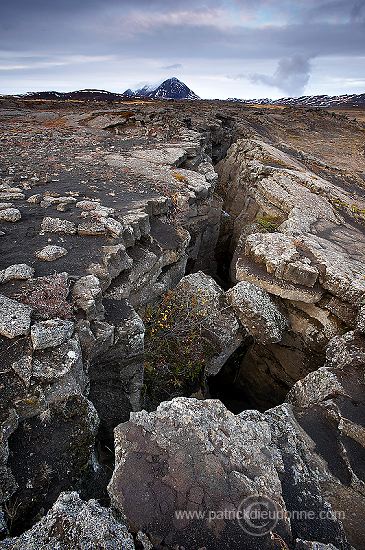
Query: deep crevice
(224, 385)
(228, 385)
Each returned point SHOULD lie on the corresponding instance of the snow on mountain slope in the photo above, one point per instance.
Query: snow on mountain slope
(346, 100)
(172, 88)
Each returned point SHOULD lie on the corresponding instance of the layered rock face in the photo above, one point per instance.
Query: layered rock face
(48, 424)
(101, 229)
(297, 236)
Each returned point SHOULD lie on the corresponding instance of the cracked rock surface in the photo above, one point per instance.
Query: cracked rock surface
(303, 455)
(260, 213)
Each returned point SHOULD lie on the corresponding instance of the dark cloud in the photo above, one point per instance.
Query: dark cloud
(358, 11)
(185, 29)
(291, 76)
(245, 42)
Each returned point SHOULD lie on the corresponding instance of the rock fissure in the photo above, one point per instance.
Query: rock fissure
(219, 267)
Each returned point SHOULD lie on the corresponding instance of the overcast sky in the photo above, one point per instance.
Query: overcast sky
(219, 48)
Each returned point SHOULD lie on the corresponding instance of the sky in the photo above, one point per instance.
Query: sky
(219, 48)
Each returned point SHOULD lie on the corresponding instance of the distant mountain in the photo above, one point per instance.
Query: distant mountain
(347, 100)
(172, 88)
(85, 95)
(43, 95)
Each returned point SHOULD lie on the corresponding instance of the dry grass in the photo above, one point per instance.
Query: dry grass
(351, 113)
(56, 123)
(179, 177)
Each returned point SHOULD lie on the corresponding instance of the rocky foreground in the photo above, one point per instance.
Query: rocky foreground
(243, 228)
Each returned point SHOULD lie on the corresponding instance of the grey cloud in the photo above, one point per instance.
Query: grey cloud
(358, 11)
(292, 75)
(184, 42)
(96, 27)
(38, 9)
(78, 35)
(243, 42)
(174, 66)
(340, 10)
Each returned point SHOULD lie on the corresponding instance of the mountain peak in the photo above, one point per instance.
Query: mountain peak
(171, 88)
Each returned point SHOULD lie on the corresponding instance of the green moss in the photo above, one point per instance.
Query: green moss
(337, 203)
(359, 213)
(269, 223)
(275, 162)
(356, 210)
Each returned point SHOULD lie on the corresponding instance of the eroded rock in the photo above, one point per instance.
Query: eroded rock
(72, 523)
(10, 214)
(51, 253)
(257, 312)
(19, 272)
(57, 225)
(196, 456)
(217, 318)
(116, 370)
(192, 455)
(14, 318)
(289, 238)
(51, 333)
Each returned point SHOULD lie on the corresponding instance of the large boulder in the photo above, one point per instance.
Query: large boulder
(218, 321)
(194, 456)
(193, 474)
(197, 460)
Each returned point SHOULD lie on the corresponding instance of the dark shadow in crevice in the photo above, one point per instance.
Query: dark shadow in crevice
(240, 390)
(224, 385)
